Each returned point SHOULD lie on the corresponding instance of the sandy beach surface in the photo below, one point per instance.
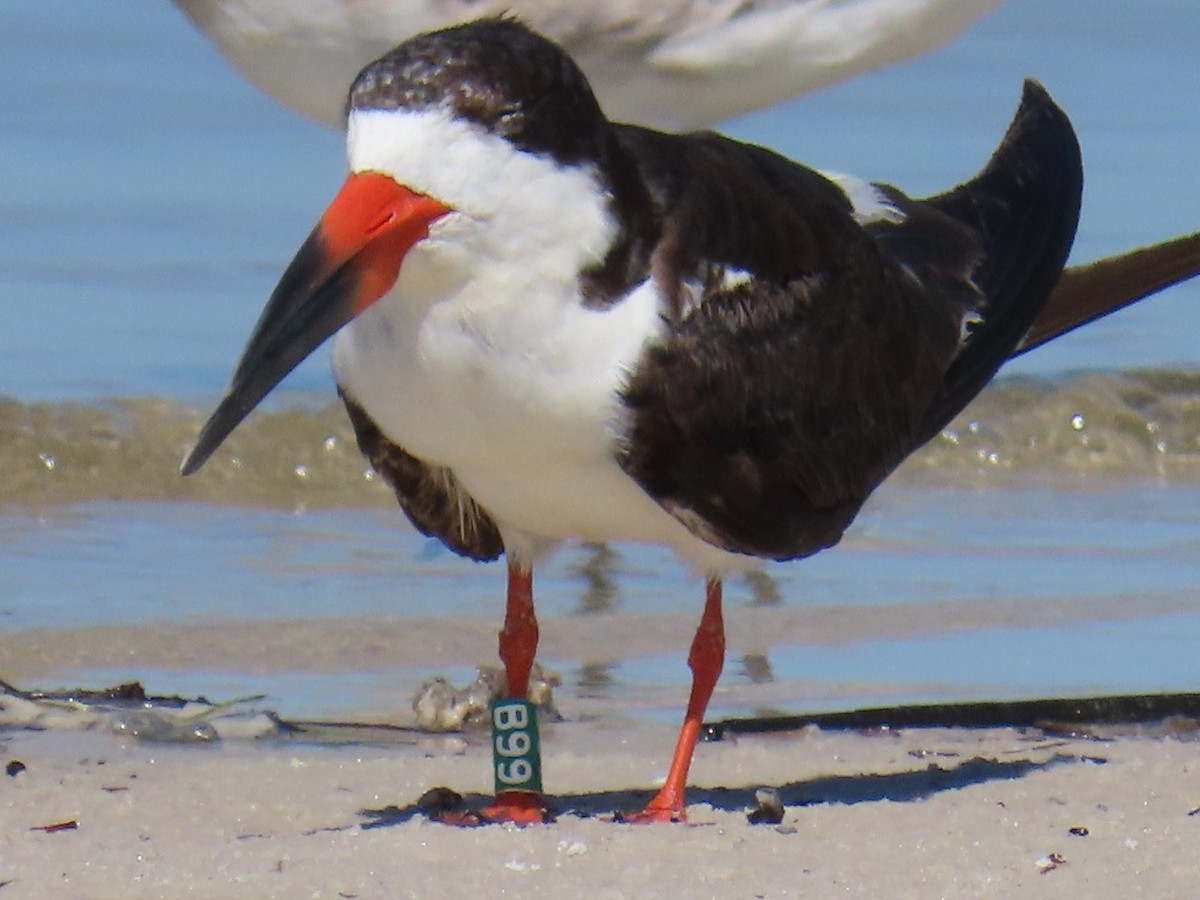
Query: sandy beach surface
(918, 813)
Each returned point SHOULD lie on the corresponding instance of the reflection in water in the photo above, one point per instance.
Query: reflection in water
(597, 568)
(764, 590)
(596, 680)
(757, 668)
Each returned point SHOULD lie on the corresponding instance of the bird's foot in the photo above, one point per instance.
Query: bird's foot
(651, 817)
(518, 809)
(514, 807)
(657, 810)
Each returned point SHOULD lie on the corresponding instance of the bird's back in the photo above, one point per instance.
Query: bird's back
(815, 345)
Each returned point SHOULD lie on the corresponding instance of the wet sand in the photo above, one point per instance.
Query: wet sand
(784, 658)
(921, 813)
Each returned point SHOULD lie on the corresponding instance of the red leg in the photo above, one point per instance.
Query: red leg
(518, 646)
(705, 660)
(519, 638)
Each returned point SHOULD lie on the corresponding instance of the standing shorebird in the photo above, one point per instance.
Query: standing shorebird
(553, 326)
(670, 63)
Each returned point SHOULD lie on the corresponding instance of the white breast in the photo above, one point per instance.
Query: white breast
(521, 400)
(483, 358)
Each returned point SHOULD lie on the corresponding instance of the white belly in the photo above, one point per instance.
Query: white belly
(522, 403)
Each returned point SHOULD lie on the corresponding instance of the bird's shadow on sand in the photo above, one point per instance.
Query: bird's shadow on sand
(896, 787)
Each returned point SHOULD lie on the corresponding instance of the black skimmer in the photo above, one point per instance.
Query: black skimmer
(552, 326)
(675, 64)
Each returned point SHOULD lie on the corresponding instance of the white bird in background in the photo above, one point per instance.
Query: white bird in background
(673, 64)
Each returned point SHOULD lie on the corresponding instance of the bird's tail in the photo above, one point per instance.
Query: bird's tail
(1024, 207)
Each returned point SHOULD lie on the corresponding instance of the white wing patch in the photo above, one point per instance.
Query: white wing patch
(970, 320)
(718, 280)
(869, 202)
(732, 279)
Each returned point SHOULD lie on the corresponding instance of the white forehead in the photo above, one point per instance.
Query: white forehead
(507, 202)
(460, 163)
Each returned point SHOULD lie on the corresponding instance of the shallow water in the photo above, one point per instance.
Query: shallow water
(1047, 542)
(934, 594)
(1097, 428)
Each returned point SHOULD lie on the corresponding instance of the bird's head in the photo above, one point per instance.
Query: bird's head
(484, 138)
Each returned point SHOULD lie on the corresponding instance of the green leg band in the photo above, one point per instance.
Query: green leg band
(516, 748)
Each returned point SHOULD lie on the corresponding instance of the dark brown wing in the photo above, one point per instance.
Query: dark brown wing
(430, 495)
(810, 355)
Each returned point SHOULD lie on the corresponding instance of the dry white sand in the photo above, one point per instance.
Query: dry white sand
(921, 814)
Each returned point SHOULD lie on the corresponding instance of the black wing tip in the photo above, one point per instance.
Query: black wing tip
(1038, 161)
(1024, 207)
(1033, 91)
(1028, 197)
(1038, 110)
(1035, 98)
